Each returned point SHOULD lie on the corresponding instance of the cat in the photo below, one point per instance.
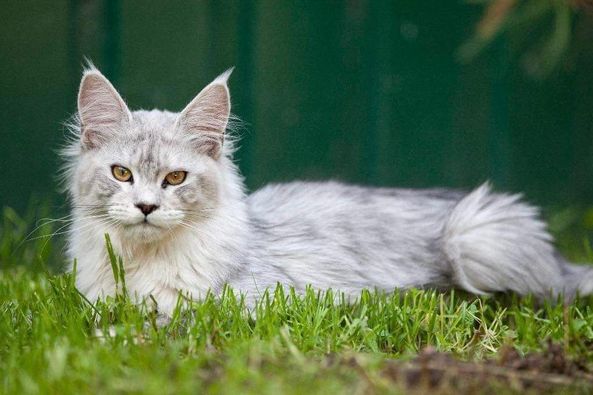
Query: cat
(163, 185)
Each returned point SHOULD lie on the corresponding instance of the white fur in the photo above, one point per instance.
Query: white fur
(207, 233)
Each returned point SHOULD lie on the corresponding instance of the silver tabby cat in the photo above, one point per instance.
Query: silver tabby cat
(164, 186)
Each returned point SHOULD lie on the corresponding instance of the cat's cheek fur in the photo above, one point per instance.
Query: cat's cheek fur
(83, 183)
(203, 191)
(106, 187)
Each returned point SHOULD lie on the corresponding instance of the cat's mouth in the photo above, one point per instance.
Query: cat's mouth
(143, 231)
(144, 224)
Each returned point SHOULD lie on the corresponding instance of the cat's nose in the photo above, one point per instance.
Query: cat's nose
(146, 208)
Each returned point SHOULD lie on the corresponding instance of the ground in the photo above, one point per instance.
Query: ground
(54, 341)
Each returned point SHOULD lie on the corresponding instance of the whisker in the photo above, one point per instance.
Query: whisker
(192, 227)
(101, 219)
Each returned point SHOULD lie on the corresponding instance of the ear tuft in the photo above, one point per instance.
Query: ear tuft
(206, 117)
(224, 77)
(101, 109)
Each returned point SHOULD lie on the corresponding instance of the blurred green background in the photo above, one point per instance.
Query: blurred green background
(395, 93)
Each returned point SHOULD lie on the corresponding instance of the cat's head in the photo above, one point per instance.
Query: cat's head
(145, 174)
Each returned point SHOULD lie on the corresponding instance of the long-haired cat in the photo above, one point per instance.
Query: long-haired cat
(164, 186)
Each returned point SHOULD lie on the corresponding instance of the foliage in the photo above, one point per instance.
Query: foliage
(538, 32)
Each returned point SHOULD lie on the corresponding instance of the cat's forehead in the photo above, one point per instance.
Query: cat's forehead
(152, 129)
(145, 123)
(152, 142)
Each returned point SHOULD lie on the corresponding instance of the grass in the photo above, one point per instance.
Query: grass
(54, 341)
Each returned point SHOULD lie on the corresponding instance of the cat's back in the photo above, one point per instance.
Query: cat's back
(335, 204)
(334, 235)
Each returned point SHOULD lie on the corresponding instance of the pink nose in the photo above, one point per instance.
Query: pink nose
(146, 208)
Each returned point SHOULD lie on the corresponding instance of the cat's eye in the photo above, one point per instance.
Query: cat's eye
(121, 173)
(175, 177)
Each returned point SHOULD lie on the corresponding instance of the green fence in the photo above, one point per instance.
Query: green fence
(364, 91)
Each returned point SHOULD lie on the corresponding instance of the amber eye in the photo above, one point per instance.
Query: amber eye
(175, 177)
(121, 173)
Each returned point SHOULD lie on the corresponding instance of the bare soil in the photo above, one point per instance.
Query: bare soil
(550, 371)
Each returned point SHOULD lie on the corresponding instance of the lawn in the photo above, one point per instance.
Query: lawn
(52, 340)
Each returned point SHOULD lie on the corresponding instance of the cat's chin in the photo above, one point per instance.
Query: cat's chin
(144, 232)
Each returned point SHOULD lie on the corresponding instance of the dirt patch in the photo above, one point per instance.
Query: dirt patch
(550, 371)
(552, 361)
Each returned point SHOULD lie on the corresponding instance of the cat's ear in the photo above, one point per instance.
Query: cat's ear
(206, 117)
(101, 109)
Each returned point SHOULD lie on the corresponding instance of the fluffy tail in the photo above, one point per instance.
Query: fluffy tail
(494, 242)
